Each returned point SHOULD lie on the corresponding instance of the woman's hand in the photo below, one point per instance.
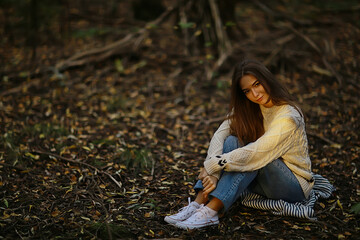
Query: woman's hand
(209, 184)
(203, 174)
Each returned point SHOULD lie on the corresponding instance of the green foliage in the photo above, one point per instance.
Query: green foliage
(187, 25)
(119, 66)
(356, 208)
(43, 130)
(97, 163)
(135, 159)
(153, 204)
(230, 24)
(6, 203)
(208, 44)
(12, 140)
(101, 230)
(103, 142)
(152, 26)
(222, 85)
(116, 103)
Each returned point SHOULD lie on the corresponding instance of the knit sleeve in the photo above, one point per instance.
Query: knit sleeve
(276, 141)
(217, 142)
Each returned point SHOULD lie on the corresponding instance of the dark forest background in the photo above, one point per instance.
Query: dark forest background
(107, 109)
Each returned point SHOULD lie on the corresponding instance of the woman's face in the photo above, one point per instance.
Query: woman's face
(254, 91)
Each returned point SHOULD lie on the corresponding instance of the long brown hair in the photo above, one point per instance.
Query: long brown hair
(246, 117)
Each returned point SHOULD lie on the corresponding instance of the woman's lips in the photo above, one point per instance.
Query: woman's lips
(259, 99)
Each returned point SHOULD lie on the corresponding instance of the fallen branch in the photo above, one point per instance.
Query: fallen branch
(224, 44)
(130, 42)
(15, 167)
(17, 89)
(276, 14)
(306, 38)
(317, 49)
(214, 120)
(103, 207)
(81, 163)
(322, 138)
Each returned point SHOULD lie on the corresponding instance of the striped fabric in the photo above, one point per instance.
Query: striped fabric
(322, 189)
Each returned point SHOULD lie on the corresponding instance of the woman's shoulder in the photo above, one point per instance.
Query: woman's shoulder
(287, 109)
(290, 113)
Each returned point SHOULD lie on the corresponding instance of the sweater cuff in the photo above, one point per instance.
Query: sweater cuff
(215, 164)
(216, 174)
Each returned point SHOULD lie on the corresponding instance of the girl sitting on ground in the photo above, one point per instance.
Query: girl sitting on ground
(261, 147)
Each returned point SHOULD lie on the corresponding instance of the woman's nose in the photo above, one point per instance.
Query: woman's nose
(254, 92)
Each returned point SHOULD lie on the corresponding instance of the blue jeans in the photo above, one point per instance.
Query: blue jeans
(274, 181)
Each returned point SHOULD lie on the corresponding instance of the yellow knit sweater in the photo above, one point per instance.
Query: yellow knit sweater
(284, 137)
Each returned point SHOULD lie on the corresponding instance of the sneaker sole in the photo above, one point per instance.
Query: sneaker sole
(196, 226)
(171, 221)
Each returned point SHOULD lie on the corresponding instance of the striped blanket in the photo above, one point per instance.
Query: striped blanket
(322, 189)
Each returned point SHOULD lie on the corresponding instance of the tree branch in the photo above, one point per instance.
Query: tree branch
(119, 184)
(129, 42)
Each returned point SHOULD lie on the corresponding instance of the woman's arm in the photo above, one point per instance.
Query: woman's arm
(275, 142)
(217, 143)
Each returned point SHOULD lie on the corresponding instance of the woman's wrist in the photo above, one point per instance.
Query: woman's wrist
(214, 164)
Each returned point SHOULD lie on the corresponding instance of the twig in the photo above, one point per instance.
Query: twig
(187, 89)
(183, 19)
(213, 120)
(15, 167)
(332, 70)
(105, 210)
(26, 85)
(325, 223)
(317, 49)
(99, 54)
(152, 166)
(280, 15)
(272, 55)
(81, 163)
(18, 233)
(336, 218)
(224, 45)
(306, 38)
(321, 137)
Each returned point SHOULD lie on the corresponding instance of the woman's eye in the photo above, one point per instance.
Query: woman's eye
(246, 91)
(257, 84)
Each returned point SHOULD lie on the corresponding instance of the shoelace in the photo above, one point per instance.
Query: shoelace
(186, 207)
(204, 213)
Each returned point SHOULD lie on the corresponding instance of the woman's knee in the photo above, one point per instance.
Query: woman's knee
(275, 167)
(231, 143)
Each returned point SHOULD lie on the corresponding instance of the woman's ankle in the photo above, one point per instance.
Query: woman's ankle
(215, 204)
(200, 198)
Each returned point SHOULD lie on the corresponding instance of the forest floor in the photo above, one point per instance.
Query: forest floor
(107, 150)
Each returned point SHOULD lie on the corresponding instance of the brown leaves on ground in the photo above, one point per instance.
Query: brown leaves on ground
(109, 149)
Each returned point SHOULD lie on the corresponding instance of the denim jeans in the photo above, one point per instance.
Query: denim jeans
(274, 181)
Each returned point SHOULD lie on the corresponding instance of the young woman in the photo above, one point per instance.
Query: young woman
(261, 147)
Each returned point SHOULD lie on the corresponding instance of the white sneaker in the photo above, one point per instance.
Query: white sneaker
(183, 214)
(203, 217)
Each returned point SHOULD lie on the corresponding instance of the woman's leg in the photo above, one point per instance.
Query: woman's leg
(227, 191)
(230, 143)
(276, 181)
(231, 184)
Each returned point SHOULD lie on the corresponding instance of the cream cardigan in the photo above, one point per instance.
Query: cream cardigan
(284, 137)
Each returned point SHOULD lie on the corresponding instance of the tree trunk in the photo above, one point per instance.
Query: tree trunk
(227, 13)
(33, 28)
